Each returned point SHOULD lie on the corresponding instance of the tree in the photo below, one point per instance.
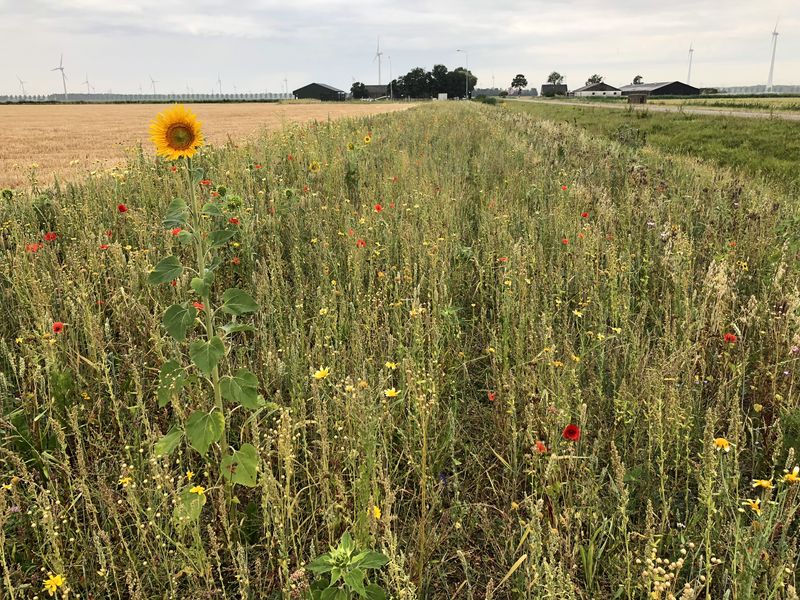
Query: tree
(519, 82)
(439, 79)
(359, 90)
(638, 80)
(418, 83)
(594, 79)
(555, 78)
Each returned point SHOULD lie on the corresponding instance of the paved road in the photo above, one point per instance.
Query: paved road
(747, 114)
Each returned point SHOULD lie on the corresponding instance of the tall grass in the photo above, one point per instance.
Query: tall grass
(508, 315)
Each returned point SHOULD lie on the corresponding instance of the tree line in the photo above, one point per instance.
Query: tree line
(419, 83)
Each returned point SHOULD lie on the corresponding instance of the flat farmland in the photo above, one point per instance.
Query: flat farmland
(69, 140)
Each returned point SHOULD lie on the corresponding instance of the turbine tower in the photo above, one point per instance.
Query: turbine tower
(88, 85)
(689, 75)
(22, 85)
(378, 55)
(153, 82)
(219, 83)
(60, 67)
(772, 62)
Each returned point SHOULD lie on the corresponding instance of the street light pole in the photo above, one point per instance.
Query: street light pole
(391, 91)
(466, 83)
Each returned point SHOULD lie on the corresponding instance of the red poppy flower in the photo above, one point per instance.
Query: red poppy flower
(173, 168)
(350, 231)
(563, 188)
(109, 233)
(378, 208)
(258, 166)
(205, 182)
(361, 243)
(33, 247)
(215, 194)
(491, 396)
(290, 157)
(198, 305)
(103, 246)
(305, 189)
(585, 215)
(50, 236)
(233, 221)
(122, 208)
(565, 241)
(730, 338)
(391, 204)
(174, 283)
(502, 259)
(572, 433)
(176, 231)
(235, 260)
(732, 244)
(58, 327)
(540, 447)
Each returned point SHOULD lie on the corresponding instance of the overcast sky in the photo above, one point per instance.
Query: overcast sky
(254, 44)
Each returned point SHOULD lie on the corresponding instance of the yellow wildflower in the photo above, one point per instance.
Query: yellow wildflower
(52, 583)
(376, 512)
(322, 373)
(763, 483)
(754, 505)
(577, 313)
(367, 139)
(792, 477)
(722, 444)
(189, 475)
(125, 481)
(198, 489)
(390, 365)
(362, 385)
(391, 393)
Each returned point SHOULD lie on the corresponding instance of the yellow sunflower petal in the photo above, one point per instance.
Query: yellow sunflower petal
(176, 132)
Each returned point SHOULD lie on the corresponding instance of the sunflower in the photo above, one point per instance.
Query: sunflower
(367, 139)
(176, 132)
(314, 167)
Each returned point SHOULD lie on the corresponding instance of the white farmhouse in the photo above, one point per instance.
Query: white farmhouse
(597, 89)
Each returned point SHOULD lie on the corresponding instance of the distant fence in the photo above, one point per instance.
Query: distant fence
(143, 98)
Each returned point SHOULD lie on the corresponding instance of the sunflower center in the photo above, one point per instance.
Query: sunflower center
(180, 136)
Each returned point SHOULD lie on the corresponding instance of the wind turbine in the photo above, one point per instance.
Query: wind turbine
(153, 82)
(689, 75)
(88, 85)
(22, 85)
(60, 67)
(219, 83)
(378, 55)
(286, 83)
(772, 62)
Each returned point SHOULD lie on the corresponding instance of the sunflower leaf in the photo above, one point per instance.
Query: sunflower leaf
(211, 209)
(241, 466)
(221, 237)
(168, 269)
(206, 355)
(176, 214)
(170, 382)
(236, 302)
(178, 319)
(203, 429)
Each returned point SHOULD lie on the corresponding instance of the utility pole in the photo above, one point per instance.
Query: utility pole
(466, 83)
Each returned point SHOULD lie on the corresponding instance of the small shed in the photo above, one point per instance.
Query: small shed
(597, 89)
(554, 89)
(663, 88)
(319, 91)
(377, 91)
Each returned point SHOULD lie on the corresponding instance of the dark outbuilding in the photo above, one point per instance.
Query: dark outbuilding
(554, 89)
(319, 91)
(664, 88)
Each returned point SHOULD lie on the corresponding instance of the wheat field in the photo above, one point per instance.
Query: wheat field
(71, 140)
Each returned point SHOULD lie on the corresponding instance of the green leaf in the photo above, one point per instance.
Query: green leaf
(188, 507)
(221, 237)
(185, 237)
(241, 466)
(372, 560)
(321, 564)
(176, 214)
(167, 270)
(167, 444)
(177, 320)
(375, 592)
(202, 286)
(206, 355)
(236, 328)
(354, 578)
(346, 543)
(242, 388)
(203, 429)
(330, 593)
(237, 302)
(212, 209)
(170, 382)
(196, 174)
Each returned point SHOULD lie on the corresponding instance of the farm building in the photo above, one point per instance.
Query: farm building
(664, 88)
(319, 91)
(596, 89)
(554, 89)
(377, 91)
